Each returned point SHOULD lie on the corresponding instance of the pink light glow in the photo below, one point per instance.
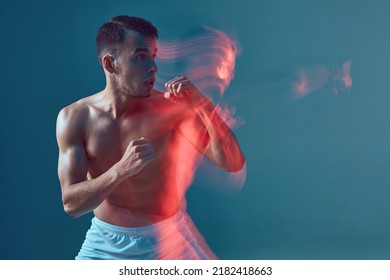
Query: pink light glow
(208, 59)
(309, 80)
(312, 79)
(344, 75)
(227, 114)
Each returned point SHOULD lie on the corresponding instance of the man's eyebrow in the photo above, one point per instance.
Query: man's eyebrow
(140, 49)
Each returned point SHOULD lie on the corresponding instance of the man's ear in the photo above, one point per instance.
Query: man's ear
(109, 63)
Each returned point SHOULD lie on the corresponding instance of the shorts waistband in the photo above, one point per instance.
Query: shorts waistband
(175, 219)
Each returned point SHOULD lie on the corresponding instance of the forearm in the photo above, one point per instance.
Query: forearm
(213, 137)
(83, 197)
(223, 147)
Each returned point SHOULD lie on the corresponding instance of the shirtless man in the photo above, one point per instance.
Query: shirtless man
(118, 153)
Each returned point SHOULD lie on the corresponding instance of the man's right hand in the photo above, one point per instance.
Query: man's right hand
(138, 154)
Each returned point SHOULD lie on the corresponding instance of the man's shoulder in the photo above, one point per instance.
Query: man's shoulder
(157, 99)
(78, 109)
(156, 96)
(76, 114)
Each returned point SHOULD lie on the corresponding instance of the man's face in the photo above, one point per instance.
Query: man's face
(136, 64)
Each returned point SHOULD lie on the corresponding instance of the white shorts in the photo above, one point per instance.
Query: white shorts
(175, 238)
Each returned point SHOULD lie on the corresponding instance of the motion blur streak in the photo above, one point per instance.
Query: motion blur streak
(208, 59)
(336, 79)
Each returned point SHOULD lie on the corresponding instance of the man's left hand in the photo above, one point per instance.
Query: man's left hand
(182, 89)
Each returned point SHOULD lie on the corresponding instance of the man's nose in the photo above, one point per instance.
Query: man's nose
(153, 67)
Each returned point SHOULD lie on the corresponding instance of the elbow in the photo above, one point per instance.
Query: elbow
(230, 159)
(71, 212)
(70, 209)
(236, 164)
(233, 165)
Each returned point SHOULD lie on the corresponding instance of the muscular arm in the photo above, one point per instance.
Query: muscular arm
(223, 148)
(204, 128)
(80, 195)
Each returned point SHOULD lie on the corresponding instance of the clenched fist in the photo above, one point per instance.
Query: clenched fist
(138, 154)
(181, 88)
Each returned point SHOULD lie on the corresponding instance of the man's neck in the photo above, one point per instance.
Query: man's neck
(117, 102)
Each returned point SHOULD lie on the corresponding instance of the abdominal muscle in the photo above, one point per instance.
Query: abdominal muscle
(142, 200)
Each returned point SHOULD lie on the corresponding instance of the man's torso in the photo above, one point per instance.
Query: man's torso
(150, 195)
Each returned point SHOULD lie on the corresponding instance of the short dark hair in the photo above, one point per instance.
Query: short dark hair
(113, 32)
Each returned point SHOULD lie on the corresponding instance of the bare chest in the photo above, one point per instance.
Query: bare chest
(107, 139)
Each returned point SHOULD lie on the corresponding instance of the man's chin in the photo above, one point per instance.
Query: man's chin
(142, 95)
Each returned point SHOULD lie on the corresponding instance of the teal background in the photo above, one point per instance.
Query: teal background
(317, 169)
